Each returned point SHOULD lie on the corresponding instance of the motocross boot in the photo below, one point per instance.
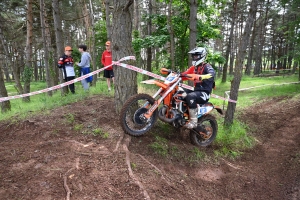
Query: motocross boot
(193, 119)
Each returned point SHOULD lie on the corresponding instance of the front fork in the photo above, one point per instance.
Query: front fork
(149, 113)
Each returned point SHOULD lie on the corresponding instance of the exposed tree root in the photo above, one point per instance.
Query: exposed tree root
(77, 163)
(67, 188)
(66, 178)
(119, 141)
(231, 165)
(125, 147)
(72, 141)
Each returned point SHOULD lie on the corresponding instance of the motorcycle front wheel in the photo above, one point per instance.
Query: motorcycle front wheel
(206, 131)
(131, 116)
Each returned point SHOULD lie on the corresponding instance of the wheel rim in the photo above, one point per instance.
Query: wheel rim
(204, 136)
(134, 113)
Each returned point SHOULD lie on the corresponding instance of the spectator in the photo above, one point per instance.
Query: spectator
(107, 60)
(65, 63)
(84, 65)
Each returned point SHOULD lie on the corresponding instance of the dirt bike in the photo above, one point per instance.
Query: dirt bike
(140, 112)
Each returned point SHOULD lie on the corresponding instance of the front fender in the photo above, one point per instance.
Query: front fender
(156, 82)
(151, 81)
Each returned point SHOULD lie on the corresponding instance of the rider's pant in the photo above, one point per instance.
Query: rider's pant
(196, 97)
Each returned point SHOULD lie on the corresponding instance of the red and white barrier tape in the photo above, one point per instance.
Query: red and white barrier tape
(163, 78)
(249, 88)
(64, 84)
(99, 70)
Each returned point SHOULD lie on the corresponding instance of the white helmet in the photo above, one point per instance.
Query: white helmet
(198, 55)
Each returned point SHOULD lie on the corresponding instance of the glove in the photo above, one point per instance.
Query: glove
(193, 77)
(205, 76)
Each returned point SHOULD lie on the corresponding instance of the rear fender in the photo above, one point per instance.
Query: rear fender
(219, 109)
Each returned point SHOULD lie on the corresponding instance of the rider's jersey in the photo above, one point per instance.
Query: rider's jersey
(203, 85)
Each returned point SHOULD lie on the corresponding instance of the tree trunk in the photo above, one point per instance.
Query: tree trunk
(193, 27)
(171, 33)
(193, 31)
(5, 105)
(149, 33)
(261, 40)
(125, 79)
(250, 51)
(7, 58)
(137, 15)
(58, 41)
(92, 47)
(28, 65)
(16, 68)
(228, 50)
(239, 64)
(108, 24)
(45, 44)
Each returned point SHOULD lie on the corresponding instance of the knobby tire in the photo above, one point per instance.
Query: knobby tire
(210, 123)
(130, 112)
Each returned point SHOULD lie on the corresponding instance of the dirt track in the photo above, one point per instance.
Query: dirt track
(54, 156)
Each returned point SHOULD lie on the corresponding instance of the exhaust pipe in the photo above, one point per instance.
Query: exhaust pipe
(162, 115)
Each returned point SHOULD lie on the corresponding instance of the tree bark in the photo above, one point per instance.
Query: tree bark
(229, 49)
(58, 40)
(125, 79)
(250, 52)
(239, 63)
(92, 47)
(193, 27)
(108, 24)
(171, 33)
(149, 33)
(28, 64)
(46, 38)
(137, 15)
(261, 40)
(5, 105)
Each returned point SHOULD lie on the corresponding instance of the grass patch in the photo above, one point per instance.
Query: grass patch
(100, 132)
(160, 146)
(265, 87)
(78, 127)
(233, 140)
(196, 155)
(70, 118)
(42, 102)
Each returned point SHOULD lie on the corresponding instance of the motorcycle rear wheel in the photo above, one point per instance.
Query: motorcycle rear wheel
(198, 137)
(131, 115)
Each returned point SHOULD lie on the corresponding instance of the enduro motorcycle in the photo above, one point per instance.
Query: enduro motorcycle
(140, 112)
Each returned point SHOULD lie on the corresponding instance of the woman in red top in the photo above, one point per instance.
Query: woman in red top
(107, 60)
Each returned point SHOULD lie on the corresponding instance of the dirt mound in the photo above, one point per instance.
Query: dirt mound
(80, 152)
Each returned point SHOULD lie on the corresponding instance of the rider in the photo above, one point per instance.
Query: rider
(203, 76)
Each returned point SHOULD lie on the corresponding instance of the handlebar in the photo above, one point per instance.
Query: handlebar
(168, 71)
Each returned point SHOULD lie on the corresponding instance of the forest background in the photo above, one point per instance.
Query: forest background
(33, 35)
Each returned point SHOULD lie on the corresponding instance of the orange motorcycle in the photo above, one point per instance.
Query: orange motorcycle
(140, 112)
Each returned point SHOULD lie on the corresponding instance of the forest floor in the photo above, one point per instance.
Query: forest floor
(54, 155)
